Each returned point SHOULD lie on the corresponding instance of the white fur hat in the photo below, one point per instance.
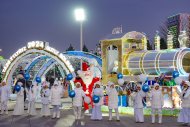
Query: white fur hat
(78, 83)
(188, 83)
(45, 83)
(56, 82)
(97, 83)
(110, 83)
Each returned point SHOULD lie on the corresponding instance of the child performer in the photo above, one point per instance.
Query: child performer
(112, 100)
(78, 100)
(184, 116)
(19, 107)
(45, 94)
(32, 93)
(137, 97)
(56, 94)
(157, 102)
(96, 111)
(4, 94)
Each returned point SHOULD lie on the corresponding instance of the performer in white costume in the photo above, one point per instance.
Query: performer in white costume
(45, 97)
(32, 94)
(157, 102)
(112, 100)
(184, 116)
(78, 100)
(56, 94)
(4, 94)
(138, 104)
(96, 111)
(19, 107)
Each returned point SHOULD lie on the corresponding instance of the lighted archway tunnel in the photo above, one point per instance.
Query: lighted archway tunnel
(38, 58)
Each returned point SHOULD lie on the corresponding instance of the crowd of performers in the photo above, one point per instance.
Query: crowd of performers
(84, 91)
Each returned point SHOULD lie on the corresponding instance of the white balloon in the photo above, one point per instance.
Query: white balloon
(87, 99)
(121, 82)
(178, 80)
(142, 78)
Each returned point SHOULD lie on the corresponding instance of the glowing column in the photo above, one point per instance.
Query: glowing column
(144, 43)
(170, 40)
(157, 41)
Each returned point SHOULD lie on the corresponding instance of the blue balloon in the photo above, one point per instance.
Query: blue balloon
(119, 76)
(69, 77)
(175, 74)
(27, 76)
(96, 99)
(38, 79)
(17, 88)
(145, 88)
(72, 93)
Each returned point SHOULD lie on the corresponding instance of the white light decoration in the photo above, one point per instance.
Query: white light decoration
(80, 14)
(39, 47)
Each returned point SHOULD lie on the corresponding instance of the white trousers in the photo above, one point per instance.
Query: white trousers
(184, 115)
(116, 111)
(56, 111)
(159, 112)
(45, 111)
(139, 116)
(77, 111)
(4, 105)
(31, 108)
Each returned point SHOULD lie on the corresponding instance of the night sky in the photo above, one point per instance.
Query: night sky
(53, 20)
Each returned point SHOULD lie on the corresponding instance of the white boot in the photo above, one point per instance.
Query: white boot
(117, 114)
(153, 118)
(6, 112)
(54, 115)
(58, 114)
(2, 111)
(110, 114)
(160, 119)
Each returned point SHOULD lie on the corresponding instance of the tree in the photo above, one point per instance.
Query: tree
(164, 31)
(149, 46)
(163, 44)
(71, 48)
(85, 49)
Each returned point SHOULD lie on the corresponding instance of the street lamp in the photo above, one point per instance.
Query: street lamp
(80, 16)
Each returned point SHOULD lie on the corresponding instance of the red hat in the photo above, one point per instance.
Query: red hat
(85, 66)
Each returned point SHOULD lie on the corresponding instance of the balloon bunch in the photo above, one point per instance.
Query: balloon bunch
(120, 79)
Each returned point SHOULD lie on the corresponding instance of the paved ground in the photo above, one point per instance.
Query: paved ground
(67, 120)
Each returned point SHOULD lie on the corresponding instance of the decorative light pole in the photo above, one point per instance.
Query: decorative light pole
(80, 16)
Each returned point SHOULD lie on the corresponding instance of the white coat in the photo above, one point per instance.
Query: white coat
(19, 107)
(112, 98)
(98, 92)
(45, 96)
(156, 98)
(185, 97)
(137, 99)
(56, 94)
(32, 93)
(5, 93)
(78, 99)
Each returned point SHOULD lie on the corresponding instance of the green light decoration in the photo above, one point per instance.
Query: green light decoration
(170, 83)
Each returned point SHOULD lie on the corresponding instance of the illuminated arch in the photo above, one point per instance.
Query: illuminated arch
(35, 47)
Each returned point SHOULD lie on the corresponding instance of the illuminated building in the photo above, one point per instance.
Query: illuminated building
(176, 24)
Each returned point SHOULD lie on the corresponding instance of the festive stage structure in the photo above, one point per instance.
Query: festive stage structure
(129, 50)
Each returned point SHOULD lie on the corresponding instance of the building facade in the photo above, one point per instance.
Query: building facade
(176, 24)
